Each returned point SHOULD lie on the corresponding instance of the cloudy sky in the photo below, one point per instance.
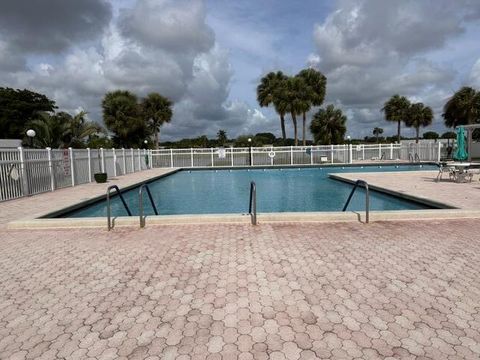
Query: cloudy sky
(208, 56)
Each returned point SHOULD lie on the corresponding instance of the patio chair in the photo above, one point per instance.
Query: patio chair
(443, 168)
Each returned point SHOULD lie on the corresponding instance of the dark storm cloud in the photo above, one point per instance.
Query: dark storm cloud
(51, 25)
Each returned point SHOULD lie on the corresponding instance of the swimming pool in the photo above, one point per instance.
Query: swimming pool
(278, 190)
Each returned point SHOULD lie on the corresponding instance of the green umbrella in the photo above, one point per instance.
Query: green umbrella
(461, 152)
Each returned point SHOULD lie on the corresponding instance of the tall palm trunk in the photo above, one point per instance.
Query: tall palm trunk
(294, 119)
(304, 140)
(157, 138)
(398, 132)
(282, 124)
(418, 134)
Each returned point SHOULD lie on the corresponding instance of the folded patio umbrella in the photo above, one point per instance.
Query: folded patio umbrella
(461, 153)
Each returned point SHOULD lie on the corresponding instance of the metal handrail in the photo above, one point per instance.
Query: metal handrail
(115, 187)
(140, 203)
(367, 198)
(252, 209)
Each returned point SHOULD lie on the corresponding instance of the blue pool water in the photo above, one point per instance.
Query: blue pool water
(278, 190)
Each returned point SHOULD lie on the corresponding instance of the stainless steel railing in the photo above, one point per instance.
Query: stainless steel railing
(367, 198)
(140, 203)
(252, 209)
(109, 220)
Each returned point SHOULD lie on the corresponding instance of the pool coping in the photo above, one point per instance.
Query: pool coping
(445, 211)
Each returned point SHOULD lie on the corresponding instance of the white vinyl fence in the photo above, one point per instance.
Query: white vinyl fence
(32, 171)
(294, 155)
(26, 172)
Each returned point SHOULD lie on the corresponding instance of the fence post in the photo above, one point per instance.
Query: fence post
(291, 155)
(231, 150)
(72, 165)
(379, 151)
(331, 151)
(171, 158)
(311, 154)
(133, 160)
(363, 152)
(23, 171)
(124, 162)
(102, 162)
(439, 153)
(50, 168)
(139, 160)
(191, 157)
(89, 159)
(211, 155)
(350, 154)
(150, 153)
(114, 162)
(391, 151)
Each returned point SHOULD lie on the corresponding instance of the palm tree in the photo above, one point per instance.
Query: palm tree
(463, 108)
(377, 132)
(156, 110)
(395, 109)
(122, 116)
(290, 100)
(267, 93)
(316, 84)
(222, 137)
(51, 130)
(80, 129)
(328, 126)
(419, 115)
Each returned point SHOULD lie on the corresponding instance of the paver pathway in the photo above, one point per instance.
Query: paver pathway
(284, 291)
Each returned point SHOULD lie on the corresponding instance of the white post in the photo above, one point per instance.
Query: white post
(331, 157)
(133, 160)
(50, 168)
(291, 155)
(439, 153)
(89, 159)
(23, 171)
(379, 151)
(102, 163)
(124, 162)
(211, 153)
(191, 157)
(391, 151)
(150, 152)
(139, 153)
(363, 152)
(350, 154)
(114, 162)
(72, 166)
(231, 151)
(311, 155)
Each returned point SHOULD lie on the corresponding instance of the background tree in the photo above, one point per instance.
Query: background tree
(419, 115)
(51, 130)
(377, 132)
(291, 101)
(395, 109)
(122, 116)
(156, 110)
(264, 138)
(449, 135)
(328, 126)
(18, 107)
(463, 108)
(314, 94)
(80, 129)
(222, 137)
(431, 135)
(267, 94)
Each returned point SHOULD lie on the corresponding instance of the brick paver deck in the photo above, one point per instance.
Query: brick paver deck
(422, 184)
(284, 291)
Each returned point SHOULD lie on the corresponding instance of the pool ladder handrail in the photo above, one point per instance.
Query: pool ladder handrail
(140, 203)
(252, 209)
(367, 198)
(109, 220)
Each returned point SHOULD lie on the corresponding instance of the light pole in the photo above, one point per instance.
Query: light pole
(31, 134)
(250, 151)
